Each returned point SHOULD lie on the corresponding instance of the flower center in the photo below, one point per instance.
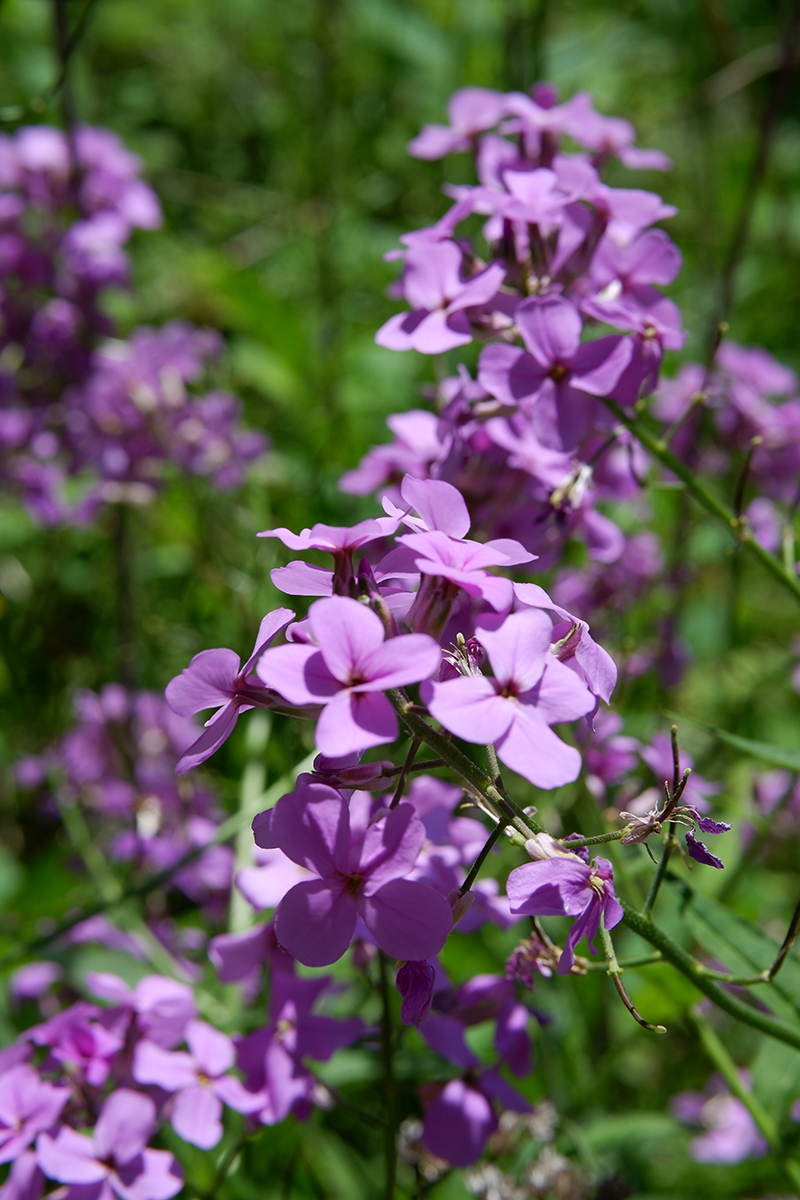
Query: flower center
(558, 372)
(353, 885)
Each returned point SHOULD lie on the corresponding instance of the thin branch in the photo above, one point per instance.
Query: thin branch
(479, 861)
(614, 969)
(788, 942)
(404, 770)
(387, 1055)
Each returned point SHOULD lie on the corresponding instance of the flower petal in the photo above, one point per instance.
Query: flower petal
(315, 922)
(196, 1116)
(407, 919)
(471, 709)
(354, 721)
(207, 682)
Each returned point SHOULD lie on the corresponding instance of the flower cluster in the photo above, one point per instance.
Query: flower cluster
(528, 442)
(75, 402)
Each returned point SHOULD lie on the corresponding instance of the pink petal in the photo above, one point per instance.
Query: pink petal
(458, 1123)
(550, 328)
(206, 683)
(125, 1124)
(235, 955)
(532, 750)
(407, 919)
(597, 365)
(440, 331)
(396, 333)
(518, 646)
(549, 888)
(235, 1095)
(213, 1050)
(401, 660)
(196, 1117)
(475, 108)
(479, 289)
(315, 922)
(439, 504)
(471, 708)
(302, 579)
(347, 632)
(354, 721)
(210, 740)
(510, 374)
(270, 627)
(433, 275)
(298, 673)
(169, 1069)
(312, 827)
(390, 848)
(69, 1157)
(561, 695)
(435, 141)
(160, 1179)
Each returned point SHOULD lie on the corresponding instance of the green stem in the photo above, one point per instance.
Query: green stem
(480, 860)
(788, 942)
(614, 969)
(666, 854)
(640, 960)
(738, 529)
(694, 971)
(729, 1071)
(597, 840)
(404, 770)
(479, 781)
(387, 1055)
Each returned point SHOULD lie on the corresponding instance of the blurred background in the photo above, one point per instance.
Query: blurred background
(274, 135)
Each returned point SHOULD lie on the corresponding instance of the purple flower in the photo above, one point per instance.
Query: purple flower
(438, 295)
(360, 873)
(115, 1159)
(530, 691)
(731, 1135)
(347, 672)
(567, 887)
(558, 377)
(216, 679)
(162, 1006)
(471, 110)
(24, 1181)
(200, 1080)
(28, 1105)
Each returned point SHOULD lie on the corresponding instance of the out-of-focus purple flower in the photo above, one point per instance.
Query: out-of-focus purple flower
(360, 872)
(34, 979)
(433, 286)
(116, 1159)
(24, 1181)
(415, 983)
(731, 1135)
(658, 756)
(200, 1080)
(471, 110)
(565, 886)
(28, 1105)
(161, 1006)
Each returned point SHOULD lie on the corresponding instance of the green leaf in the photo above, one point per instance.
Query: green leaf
(777, 756)
(743, 947)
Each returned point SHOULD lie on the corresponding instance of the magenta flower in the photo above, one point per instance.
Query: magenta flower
(463, 563)
(347, 672)
(471, 110)
(531, 690)
(28, 1105)
(559, 376)
(415, 983)
(567, 887)
(438, 295)
(115, 1160)
(360, 873)
(200, 1080)
(730, 1133)
(161, 1005)
(216, 679)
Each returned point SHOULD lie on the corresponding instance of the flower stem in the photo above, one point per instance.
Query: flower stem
(788, 942)
(729, 1071)
(480, 860)
(614, 969)
(387, 1055)
(737, 527)
(661, 871)
(404, 770)
(695, 972)
(598, 839)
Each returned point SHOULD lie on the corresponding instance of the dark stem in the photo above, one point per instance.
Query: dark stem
(387, 1056)
(788, 942)
(777, 100)
(658, 879)
(480, 860)
(404, 770)
(67, 44)
(738, 499)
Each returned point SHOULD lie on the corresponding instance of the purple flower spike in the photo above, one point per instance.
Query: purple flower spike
(116, 1157)
(567, 887)
(216, 678)
(200, 1081)
(347, 673)
(438, 295)
(530, 691)
(359, 873)
(415, 983)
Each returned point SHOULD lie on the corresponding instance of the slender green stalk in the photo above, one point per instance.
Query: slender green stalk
(788, 942)
(730, 1073)
(387, 1055)
(614, 969)
(597, 839)
(640, 960)
(661, 871)
(693, 970)
(737, 527)
(404, 770)
(480, 860)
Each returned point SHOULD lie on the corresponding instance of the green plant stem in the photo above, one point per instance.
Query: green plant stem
(598, 839)
(479, 782)
(787, 944)
(661, 870)
(404, 770)
(729, 1071)
(640, 960)
(614, 969)
(480, 860)
(694, 971)
(387, 1055)
(225, 831)
(738, 528)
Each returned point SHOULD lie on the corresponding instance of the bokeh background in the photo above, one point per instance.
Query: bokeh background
(274, 135)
